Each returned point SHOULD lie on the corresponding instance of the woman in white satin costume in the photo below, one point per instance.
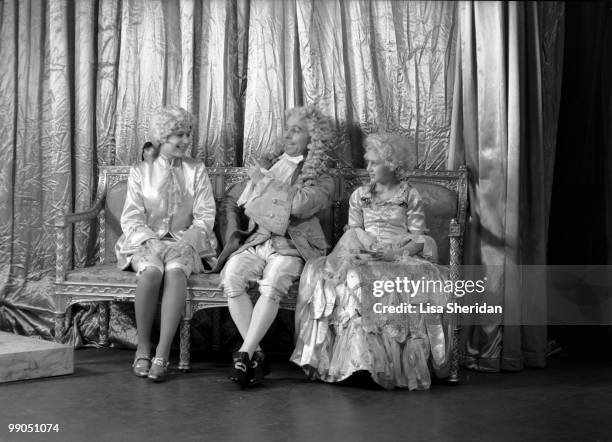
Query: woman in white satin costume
(167, 224)
(340, 328)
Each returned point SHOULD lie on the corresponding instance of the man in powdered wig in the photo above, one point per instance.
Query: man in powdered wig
(269, 227)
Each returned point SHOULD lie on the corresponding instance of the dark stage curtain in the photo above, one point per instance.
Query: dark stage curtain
(583, 169)
(581, 211)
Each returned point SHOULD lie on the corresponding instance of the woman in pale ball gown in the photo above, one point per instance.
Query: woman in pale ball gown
(340, 325)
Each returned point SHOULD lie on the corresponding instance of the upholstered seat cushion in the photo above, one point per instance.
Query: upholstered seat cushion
(105, 274)
(101, 273)
(109, 274)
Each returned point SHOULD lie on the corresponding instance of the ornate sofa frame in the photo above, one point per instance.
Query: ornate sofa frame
(444, 194)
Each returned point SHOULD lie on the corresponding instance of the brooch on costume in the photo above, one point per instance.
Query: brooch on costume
(366, 201)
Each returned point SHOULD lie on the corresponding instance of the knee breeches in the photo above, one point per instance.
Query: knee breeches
(274, 273)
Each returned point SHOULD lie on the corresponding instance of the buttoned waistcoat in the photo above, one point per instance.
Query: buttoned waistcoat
(277, 204)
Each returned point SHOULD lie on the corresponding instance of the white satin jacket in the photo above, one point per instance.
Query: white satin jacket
(172, 198)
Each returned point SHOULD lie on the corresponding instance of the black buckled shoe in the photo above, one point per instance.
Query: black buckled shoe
(241, 368)
(260, 367)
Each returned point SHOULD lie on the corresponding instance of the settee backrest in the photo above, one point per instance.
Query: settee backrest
(444, 194)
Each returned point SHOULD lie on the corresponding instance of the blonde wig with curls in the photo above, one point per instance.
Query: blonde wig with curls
(399, 153)
(167, 121)
(319, 148)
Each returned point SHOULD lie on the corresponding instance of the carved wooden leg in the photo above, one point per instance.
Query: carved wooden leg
(103, 323)
(456, 247)
(185, 343)
(455, 368)
(59, 327)
(216, 346)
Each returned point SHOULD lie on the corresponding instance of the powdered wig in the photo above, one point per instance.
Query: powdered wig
(319, 146)
(398, 152)
(167, 121)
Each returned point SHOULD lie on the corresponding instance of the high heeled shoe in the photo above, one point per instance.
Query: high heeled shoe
(141, 365)
(158, 370)
(241, 368)
(260, 367)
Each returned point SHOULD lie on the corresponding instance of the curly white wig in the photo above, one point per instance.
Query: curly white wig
(320, 143)
(167, 121)
(399, 153)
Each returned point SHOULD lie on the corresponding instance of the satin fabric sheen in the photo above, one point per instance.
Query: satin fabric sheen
(504, 125)
(78, 84)
(338, 331)
(168, 197)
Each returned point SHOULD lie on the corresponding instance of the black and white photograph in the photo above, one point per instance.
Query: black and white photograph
(305, 220)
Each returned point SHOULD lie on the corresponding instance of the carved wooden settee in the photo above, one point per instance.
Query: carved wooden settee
(444, 194)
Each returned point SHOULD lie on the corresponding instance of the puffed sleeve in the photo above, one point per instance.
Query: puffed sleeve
(415, 213)
(133, 218)
(200, 234)
(355, 214)
(417, 227)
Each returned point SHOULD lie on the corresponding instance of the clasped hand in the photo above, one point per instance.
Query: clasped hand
(388, 254)
(391, 252)
(183, 247)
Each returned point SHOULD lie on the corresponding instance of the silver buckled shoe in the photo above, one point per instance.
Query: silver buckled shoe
(141, 365)
(158, 370)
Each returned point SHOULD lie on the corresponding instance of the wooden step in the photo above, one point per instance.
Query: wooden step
(22, 357)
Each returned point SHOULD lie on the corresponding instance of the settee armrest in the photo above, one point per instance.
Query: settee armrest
(71, 218)
(63, 246)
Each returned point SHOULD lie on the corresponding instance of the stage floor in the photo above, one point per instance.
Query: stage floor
(102, 400)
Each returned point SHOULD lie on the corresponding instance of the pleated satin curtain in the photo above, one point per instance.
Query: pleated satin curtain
(504, 124)
(80, 78)
(371, 65)
(37, 168)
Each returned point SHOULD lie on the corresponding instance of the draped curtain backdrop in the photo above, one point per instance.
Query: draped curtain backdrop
(79, 80)
(584, 150)
(507, 89)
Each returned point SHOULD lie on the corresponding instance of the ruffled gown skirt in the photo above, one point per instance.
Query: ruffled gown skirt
(342, 328)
